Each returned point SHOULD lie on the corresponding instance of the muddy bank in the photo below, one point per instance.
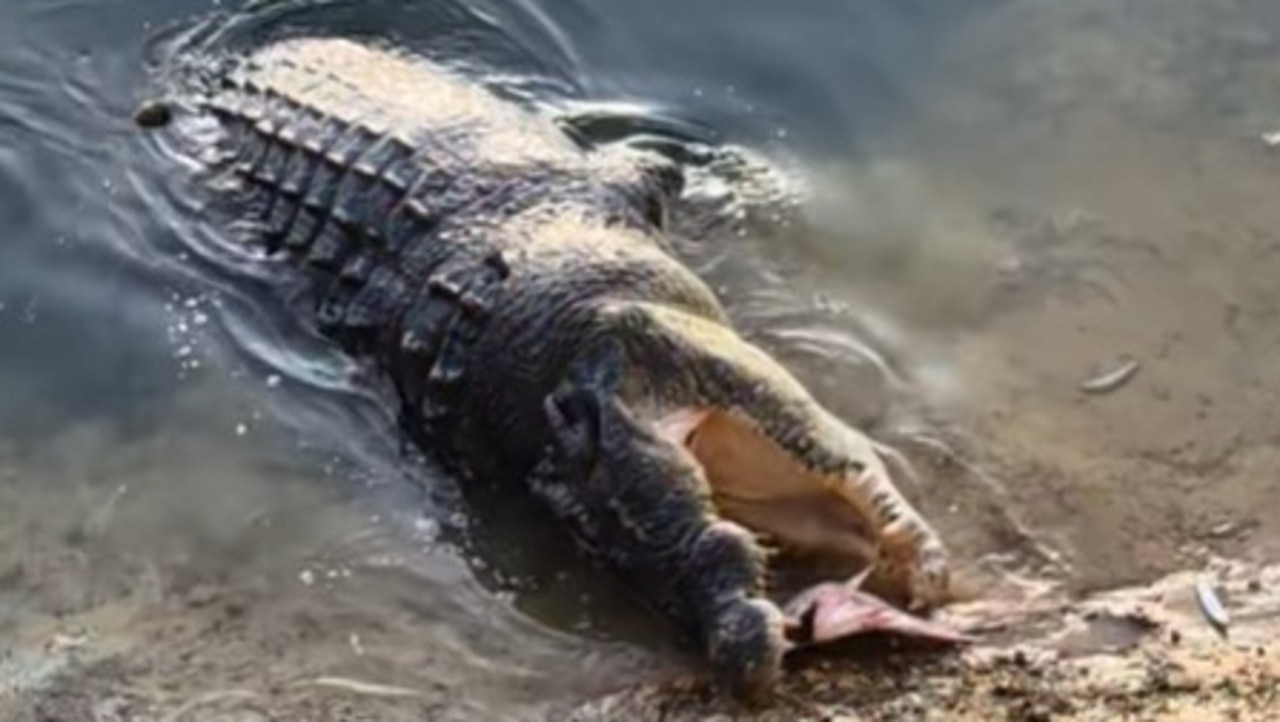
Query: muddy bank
(1141, 653)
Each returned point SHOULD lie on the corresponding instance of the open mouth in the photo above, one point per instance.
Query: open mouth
(759, 485)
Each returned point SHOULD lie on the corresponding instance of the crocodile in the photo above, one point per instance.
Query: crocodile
(516, 287)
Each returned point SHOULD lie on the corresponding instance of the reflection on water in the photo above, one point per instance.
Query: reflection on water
(1008, 196)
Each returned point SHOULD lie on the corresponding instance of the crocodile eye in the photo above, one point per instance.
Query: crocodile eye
(656, 213)
(574, 418)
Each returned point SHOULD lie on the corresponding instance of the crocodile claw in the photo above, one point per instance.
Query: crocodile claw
(919, 568)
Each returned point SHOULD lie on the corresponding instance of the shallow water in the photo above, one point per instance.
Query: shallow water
(1009, 196)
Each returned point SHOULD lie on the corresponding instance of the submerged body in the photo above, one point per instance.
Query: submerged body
(514, 284)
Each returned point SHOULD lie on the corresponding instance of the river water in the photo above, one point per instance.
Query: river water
(1008, 198)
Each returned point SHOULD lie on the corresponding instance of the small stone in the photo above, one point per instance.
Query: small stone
(153, 114)
(201, 596)
(1224, 529)
(1009, 266)
(60, 643)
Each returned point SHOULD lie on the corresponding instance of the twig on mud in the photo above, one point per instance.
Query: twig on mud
(1212, 608)
(100, 519)
(152, 580)
(1109, 381)
(371, 689)
(209, 698)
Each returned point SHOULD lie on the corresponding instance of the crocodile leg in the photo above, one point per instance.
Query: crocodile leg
(767, 446)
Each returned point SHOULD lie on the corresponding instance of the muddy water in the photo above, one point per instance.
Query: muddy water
(201, 505)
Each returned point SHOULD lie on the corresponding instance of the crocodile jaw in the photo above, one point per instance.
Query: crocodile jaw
(756, 484)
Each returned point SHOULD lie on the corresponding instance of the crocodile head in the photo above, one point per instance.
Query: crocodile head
(679, 503)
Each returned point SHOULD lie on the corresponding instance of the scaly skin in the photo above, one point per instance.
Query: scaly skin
(516, 289)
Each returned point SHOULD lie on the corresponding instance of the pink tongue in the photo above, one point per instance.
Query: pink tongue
(841, 610)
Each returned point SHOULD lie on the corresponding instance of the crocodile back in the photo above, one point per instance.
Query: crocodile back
(461, 241)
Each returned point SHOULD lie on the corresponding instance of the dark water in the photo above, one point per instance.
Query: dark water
(93, 296)
(1021, 192)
